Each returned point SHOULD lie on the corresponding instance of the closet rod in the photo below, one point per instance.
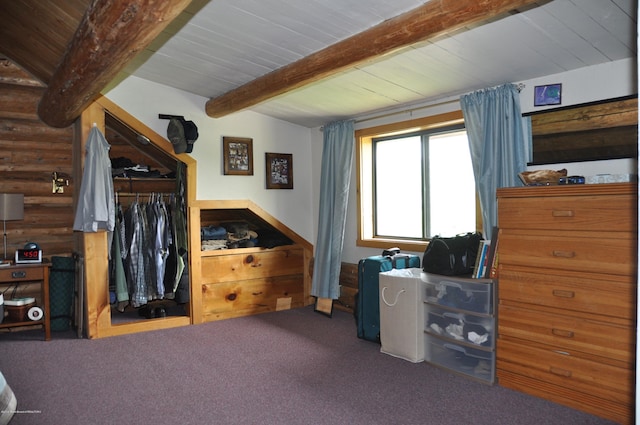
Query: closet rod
(132, 194)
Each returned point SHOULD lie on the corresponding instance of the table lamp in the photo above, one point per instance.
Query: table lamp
(11, 208)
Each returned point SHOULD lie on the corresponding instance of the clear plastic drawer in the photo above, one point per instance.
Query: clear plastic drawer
(472, 362)
(461, 293)
(460, 327)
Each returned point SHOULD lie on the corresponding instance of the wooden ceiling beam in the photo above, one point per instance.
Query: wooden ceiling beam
(435, 18)
(110, 34)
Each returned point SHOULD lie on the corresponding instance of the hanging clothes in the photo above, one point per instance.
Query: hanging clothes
(134, 231)
(146, 246)
(117, 273)
(96, 205)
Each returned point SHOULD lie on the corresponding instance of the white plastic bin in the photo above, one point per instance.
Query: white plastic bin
(402, 314)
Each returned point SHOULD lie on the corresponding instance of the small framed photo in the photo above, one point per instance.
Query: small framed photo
(238, 156)
(324, 306)
(550, 94)
(279, 168)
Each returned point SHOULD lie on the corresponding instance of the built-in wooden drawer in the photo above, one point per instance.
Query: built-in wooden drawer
(252, 264)
(546, 251)
(234, 299)
(570, 334)
(613, 296)
(18, 273)
(613, 213)
(569, 372)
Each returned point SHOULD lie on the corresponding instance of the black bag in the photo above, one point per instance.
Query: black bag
(452, 256)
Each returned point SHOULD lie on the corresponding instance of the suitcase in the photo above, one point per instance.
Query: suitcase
(367, 299)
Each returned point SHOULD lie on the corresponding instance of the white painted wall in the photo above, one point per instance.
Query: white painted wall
(298, 208)
(588, 84)
(145, 100)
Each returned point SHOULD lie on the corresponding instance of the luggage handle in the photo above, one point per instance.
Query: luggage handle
(395, 258)
(384, 299)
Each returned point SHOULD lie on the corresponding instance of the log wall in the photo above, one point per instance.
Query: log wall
(30, 152)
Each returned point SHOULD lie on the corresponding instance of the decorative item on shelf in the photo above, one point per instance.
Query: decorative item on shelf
(279, 167)
(238, 156)
(571, 180)
(542, 177)
(550, 94)
(11, 208)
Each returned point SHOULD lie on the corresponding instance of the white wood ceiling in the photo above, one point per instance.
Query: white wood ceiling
(216, 46)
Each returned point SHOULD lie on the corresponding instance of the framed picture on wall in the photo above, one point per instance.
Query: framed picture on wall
(238, 156)
(550, 94)
(279, 168)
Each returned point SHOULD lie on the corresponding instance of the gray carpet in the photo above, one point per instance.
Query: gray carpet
(289, 367)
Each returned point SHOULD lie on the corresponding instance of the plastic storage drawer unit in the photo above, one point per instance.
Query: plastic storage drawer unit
(470, 328)
(473, 362)
(461, 293)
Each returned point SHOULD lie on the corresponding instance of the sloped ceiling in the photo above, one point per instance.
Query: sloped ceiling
(215, 47)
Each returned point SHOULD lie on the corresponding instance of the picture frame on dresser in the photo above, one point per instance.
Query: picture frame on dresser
(237, 153)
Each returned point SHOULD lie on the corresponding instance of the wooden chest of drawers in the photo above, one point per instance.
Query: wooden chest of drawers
(567, 295)
(249, 281)
(233, 282)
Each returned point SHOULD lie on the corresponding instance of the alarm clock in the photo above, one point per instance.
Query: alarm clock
(31, 253)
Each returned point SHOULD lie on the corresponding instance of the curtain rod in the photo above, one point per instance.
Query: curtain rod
(404, 111)
(519, 86)
(411, 110)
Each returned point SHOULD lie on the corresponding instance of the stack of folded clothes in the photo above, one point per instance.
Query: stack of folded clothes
(239, 235)
(124, 167)
(213, 237)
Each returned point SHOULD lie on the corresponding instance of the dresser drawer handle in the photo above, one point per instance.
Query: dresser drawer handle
(563, 294)
(560, 372)
(563, 333)
(562, 213)
(19, 274)
(564, 254)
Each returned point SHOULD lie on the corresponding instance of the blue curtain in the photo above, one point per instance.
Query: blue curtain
(500, 144)
(337, 160)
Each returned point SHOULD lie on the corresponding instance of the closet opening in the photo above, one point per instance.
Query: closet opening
(148, 264)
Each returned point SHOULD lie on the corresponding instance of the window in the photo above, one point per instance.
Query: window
(416, 181)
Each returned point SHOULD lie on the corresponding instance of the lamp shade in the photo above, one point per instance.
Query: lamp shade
(11, 206)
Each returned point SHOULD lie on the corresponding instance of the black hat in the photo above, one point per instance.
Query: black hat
(181, 133)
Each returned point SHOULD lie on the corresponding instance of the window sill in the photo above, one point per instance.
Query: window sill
(404, 245)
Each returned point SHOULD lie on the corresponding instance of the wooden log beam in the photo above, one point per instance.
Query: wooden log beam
(108, 37)
(433, 19)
